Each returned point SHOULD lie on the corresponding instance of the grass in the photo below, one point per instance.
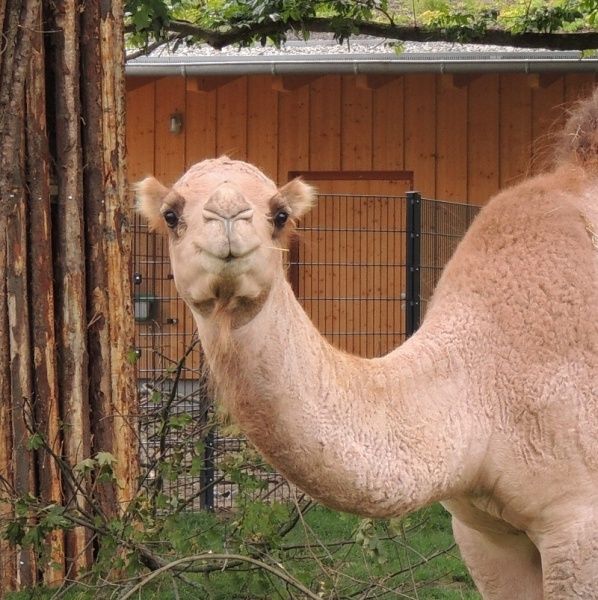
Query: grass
(335, 554)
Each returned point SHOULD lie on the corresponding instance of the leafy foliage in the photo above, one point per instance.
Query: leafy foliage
(255, 551)
(243, 22)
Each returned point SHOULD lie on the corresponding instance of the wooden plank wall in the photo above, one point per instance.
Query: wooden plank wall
(464, 137)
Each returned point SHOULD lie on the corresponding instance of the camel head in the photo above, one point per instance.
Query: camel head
(227, 225)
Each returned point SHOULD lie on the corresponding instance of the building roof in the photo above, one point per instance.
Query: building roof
(357, 56)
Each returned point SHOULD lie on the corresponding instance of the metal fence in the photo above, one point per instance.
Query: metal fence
(348, 267)
(364, 269)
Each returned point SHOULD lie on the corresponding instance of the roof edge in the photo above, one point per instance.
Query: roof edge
(379, 64)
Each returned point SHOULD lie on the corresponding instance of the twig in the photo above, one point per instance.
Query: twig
(165, 414)
(70, 480)
(221, 557)
(175, 588)
(189, 500)
(153, 46)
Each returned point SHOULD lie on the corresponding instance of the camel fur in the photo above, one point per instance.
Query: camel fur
(490, 408)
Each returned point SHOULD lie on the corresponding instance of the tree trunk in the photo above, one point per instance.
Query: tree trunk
(66, 325)
(21, 381)
(111, 332)
(118, 240)
(100, 384)
(46, 407)
(8, 561)
(18, 24)
(70, 259)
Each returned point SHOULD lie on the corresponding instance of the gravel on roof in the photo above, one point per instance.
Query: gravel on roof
(356, 45)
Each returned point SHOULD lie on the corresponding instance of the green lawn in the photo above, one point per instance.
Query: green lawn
(336, 555)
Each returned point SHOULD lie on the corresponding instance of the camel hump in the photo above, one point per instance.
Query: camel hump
(579, 143)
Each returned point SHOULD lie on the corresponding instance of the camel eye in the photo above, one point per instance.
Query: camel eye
(171, 218)
(281, 218)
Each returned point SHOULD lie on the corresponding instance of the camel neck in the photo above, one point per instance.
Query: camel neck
(374, 436)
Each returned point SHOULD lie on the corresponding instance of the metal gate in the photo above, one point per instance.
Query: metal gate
(363, 267)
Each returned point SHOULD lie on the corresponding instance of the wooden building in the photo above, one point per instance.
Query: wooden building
(455, 129)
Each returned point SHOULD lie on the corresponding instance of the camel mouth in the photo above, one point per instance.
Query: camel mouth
(226, 254)
(226, 262)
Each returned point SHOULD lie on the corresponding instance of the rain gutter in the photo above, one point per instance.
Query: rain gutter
(367, 64)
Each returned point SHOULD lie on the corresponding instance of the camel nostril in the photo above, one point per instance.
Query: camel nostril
(244, 215)
(227, 202)
(213, 214)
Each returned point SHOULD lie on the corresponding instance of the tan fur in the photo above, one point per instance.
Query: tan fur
(298, 195)
(491, 407)
(150, 196)
(579, 141)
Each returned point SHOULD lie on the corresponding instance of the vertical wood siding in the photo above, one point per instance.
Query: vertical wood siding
(293, 131)
(451, 140)
(463, 138)
(420, 131)
(388, 124)
(262, 125)
(324, 124)
(199, 127)
(483, 127)
(548, 99)
(231, 118)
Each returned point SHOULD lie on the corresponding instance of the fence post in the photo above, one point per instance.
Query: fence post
(207, 479)
(294, 265)
(207, 473)
(412, 292)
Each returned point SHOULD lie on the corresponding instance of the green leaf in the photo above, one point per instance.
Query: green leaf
(196, 465)
(34, 537)
(180, 421)
(105, 459)
(132, 356)
(21, 508)
(86, 465)
(169, 471)
(54, 518)
(14, 532)
(162, 501)
(35, 442)
(106, 477)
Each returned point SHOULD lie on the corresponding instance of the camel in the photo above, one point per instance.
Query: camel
(491, 407)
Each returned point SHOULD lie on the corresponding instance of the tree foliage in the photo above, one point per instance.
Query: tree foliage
(556, 24)
(260, 548)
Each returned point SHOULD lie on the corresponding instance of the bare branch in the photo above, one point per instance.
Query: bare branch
(153, 46)
(220, 38)
(176, 564)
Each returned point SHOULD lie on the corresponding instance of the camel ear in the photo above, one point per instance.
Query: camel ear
(150, 197)
(299, 197)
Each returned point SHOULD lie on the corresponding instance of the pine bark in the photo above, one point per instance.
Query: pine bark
(46, 399)
(70, 273)
(110, 332)
(100, 383)
(21, 380)
(118, 251)
(66, 326)
(8, 560)
(18, 24)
